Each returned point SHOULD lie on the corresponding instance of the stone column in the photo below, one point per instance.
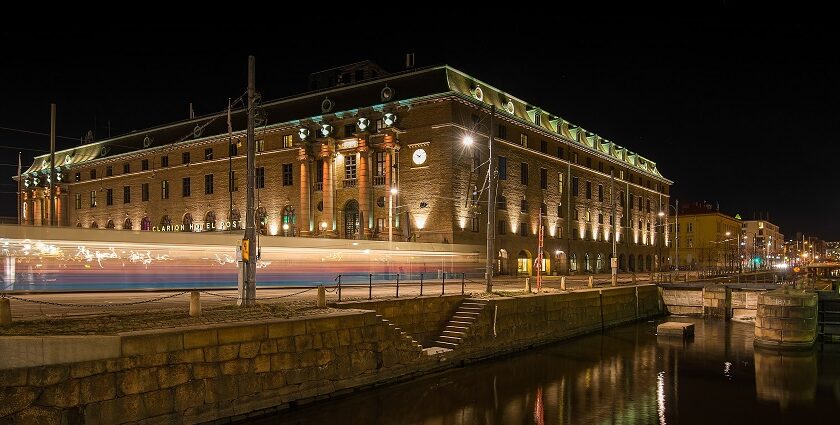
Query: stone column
(327, 216)
(389, 150)
(304, 214)
(364, 185)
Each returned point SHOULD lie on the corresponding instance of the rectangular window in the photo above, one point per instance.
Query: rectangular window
(523, 140)
(350, 167)
(232, 186)
(93, 174)
(543, 146)
(600, 166)
(126, 194)
(600, 193)
(575, 188)
(560, 152)
(588, 190)
(543, 209)
(260, 145)
(288, 178)
(208, 184)
(588, 216)
(689, 227)
(631, 201)
(78, 177)
(164, 189)
(233, 149)
(560, 184)
(502, 229)
(648, 205)
(185, 158)
(691, 243)
(164, 161)
(523, 205)
(621, 199)
(319, 171)
(288, 141)
(126, 168)
(560, 211)
(502, 168)
(109, 171)
(501, 203)
(543, 178)
(523, 229)
(502, 131)
(380, 224)
(185, 191)
(78, 201)
(144, 191)
(349, 129)
(574, 158)
(474, 224)
(109, 197)
(575, 215)
(588, 162)
(260, 178)
(144, 165)
(640, 204)
(523, 173)
(537, 118)
(379, 171)
(92, 198)
(600, 218)
(208, 154)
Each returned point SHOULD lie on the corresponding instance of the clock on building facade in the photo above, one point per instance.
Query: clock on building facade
(419, 157)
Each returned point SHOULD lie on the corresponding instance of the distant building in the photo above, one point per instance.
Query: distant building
(708, 239)
(832, 250)
(762, 245)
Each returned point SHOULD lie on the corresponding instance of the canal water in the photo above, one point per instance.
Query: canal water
(626, 375)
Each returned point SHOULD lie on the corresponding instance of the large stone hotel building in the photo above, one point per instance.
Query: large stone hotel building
(327, 161)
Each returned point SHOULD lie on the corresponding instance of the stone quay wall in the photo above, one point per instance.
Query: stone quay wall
(235, 371)
(694, 300)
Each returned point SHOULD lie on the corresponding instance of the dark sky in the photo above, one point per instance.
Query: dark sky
(734, 112)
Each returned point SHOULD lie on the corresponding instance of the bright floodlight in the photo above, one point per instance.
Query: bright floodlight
(394, 191)
(468, 140)
(285, 226)
(728, 233)
(661, 213)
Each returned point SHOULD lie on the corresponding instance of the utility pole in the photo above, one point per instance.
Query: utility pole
(53, 221)
(491, 209)
(248, 291)
(614, 259)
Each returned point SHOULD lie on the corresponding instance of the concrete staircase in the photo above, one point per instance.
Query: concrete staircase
(460, 323)
(405, 335)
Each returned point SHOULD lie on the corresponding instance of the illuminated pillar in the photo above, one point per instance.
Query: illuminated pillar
(37, 208)
(364, 186)
(304, 214)
(327, 216)
(389, 150)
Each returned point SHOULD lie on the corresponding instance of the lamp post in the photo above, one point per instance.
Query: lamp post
(491, 203)
(676, 231)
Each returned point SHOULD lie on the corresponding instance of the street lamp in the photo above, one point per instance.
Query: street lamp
(676, 231)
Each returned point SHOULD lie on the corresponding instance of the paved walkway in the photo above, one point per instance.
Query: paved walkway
(112, 312)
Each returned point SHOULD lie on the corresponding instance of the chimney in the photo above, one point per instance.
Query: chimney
(409, 60)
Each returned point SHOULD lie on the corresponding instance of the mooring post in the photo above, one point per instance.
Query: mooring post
(591, 282)
(421, 284)
(339, 288)
(5, 313)
(443, 284)
(562, 283)
(370, 286)
(398, 285)
(463, 278)
(322, 297)
(195, 304)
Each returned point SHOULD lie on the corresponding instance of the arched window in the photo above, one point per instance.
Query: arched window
(599, 264)
(234, 220)
(146, 224)
(79, 224)
(210, 221)
(165, 223)
(641, 265)
(573, 263)
(94, 225)
(502, 262)
(289, 220)
(524, 263)
(587, 266)
(648, 263)
(187, 221)
(110, 224)
(127, 224)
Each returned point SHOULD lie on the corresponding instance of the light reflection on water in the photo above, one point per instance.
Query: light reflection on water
(626, 376)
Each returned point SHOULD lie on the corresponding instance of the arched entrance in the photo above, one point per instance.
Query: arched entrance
(94, 225)
(110, 224)
(648, 263)
(641, 265)
(632, 262)
(573, 266)
(560, 265)
(187, 221)
(523, 263)
(351, 219)
(234, 220)
(210, 221)
(622, 264)
(587, 266)
(502, 262)
(599, 264)
(146, 224)
(127, 225)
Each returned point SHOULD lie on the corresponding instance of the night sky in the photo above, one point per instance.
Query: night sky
(738, 114)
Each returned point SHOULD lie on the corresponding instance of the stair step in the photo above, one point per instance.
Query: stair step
(446, 344)
(454, 333)
(470, 312)
(451, 338)
(468, 308)
(452, 327)
(458, 322)
(474, 305)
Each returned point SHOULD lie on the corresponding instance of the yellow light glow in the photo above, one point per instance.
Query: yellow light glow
(420, 220)
(272, 228)
(462, 222)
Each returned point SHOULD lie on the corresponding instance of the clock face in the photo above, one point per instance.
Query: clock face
(419, 157)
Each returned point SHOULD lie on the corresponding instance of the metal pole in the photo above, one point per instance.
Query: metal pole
(677, 233)
(421, 284)
(370, 286)
(398, 285)
(463, 278)
(390, 216)
(339, 288)
(19, 192)
(249, 287)
(443, 283)
(230, 168)
(491, 209)
(53, 221)
(614, 259)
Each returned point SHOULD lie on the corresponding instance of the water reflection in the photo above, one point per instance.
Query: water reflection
(625, 376)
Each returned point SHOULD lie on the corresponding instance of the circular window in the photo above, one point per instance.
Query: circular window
(321, 206)
(380, 201)
(327, 105)
(509, 106)
(478, 93)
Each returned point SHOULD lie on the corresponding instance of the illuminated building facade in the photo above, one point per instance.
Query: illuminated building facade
(762, 244)
(334, 162)
(708, 238)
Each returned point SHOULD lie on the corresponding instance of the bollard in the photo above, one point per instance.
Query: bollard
(195, 304)
(614, 280)
(339, 288)
(322, 297)
(686, 277)
(591, 282)
(651, 278)
(370, 286)
(634, 278)
(5, 313)
(528, 285)
(562, 283)
(421, 284)
(398, 285)
(443, 284)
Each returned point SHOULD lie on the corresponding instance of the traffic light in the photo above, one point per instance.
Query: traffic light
(246, 250)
